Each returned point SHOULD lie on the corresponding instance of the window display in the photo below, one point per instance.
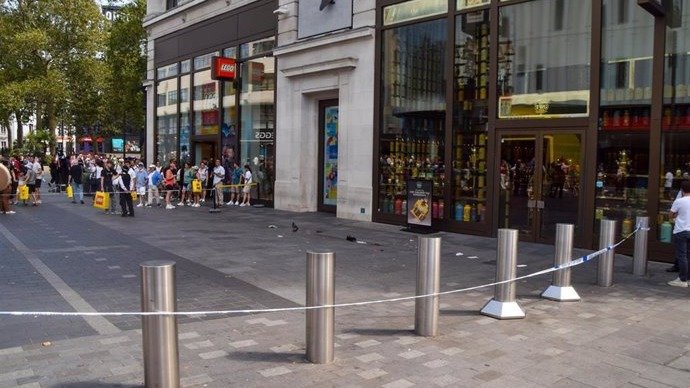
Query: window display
(412, 136)
(470, 120)
(166, 121)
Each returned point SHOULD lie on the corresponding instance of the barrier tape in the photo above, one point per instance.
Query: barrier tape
(572, 263)
(161, 190)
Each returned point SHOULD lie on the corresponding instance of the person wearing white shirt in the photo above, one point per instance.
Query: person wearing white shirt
(680, 211)
(247, 189)
(38, 169)
(218, 175)
(123, 183)
(668, 184)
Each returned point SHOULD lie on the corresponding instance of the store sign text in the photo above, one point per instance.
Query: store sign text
(223, 68)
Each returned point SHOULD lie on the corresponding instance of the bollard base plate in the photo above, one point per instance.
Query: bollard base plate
(561, 294)
(503, 310)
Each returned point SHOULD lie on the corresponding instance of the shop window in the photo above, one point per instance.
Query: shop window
(675, 121)
(167, 71)
(185, 66)
(185, 119)
(471, 71)
(412, 133)
(228, 131)
(414, 9)
(623, 145)
(205, 104)
(257, 118)
(257, 47)
(166, 123)
(464, 4)
(204, 61)
(561, 87)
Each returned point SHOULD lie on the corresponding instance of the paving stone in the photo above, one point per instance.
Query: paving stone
(196, 380)
(199, 345)
(452, 351)
(401, 383)
(272, 372)
(370, 357)
(372, 373)
(410, 354)
(115, 340)
(213, 354)
(188, 335)
(243, 344)
(436, 364)
(368, 343)
(445, 381)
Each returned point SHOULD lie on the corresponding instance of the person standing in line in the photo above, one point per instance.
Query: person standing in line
(169, 183)
(218, 176)
(153, 179)
(124, 185)
(680, 211)
(202, 175)
(247, 189)
(30, 180)
(141, 178)
(76, 172)
(235, 181)
(38, 169)
(107, 176)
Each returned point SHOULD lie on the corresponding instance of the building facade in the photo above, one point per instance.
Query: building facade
(519, 114)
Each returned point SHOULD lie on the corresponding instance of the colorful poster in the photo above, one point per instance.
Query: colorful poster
(330, 156)
(419, 202)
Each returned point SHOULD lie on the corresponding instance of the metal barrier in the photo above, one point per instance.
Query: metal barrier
(561, 289)
(428, 282)
(640, 254)
(320, 292)
(159, 333)
(503, 305)
(605, 263)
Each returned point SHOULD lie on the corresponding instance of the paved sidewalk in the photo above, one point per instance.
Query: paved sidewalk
(632, 334)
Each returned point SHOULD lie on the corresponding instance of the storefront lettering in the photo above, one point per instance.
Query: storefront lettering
(263, 135)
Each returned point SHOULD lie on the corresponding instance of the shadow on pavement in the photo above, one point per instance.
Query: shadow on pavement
(460, 313)
(380, 332)
(94, 384)
(296, 358)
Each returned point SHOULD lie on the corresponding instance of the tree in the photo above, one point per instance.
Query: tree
(50, 66)
(126, 65)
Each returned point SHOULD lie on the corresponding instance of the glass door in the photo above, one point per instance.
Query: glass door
(539, 182)
(328, 155)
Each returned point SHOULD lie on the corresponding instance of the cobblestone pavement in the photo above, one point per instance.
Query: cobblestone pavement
(64, 257)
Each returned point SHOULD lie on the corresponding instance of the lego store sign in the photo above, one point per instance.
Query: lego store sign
(224, 69)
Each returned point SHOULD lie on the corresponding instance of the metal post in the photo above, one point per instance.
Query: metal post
(560, 289)
(428, 280)
(161, 357)
(503, 305)
(215, 208)
(640, 254)
(320, 292)
(605, 264)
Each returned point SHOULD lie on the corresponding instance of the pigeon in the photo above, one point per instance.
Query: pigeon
(294, 227)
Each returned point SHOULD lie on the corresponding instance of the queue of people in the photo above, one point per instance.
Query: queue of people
(170, 186)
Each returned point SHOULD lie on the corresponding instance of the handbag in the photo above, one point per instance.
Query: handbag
(70, 192)
(101, 200)
(134, 195)
(23, 193)
(196, 186)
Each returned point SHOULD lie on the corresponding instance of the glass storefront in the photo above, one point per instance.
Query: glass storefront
(626, 93)
(166, 120)
(675, 121)
(544, 59)
(234, 119)
(412, 133)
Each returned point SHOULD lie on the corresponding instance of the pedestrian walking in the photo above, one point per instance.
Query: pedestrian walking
(680, 211)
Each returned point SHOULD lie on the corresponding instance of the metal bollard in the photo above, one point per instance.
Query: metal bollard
(640, 254)
(320, 292)
(159, 333)
(428, 279)
(503, 305)
(561, 289)
(605, 264)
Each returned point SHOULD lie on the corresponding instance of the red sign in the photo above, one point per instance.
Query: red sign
(209, 117)
(257, 72)
(223, 68)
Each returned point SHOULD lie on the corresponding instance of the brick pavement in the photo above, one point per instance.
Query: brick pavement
(632, 334)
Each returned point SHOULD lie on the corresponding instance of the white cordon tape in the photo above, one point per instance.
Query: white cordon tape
(571, 263)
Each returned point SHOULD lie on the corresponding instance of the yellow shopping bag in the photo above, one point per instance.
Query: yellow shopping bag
(70, 192)
(23, 193)
(134, 195)
(196, 186)
(101, 200)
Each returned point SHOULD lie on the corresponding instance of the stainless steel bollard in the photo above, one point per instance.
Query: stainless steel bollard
(159, 333)
(320, 292)
(605, 264)
(503, 305)
(560, 288)
(640, 254)
(428, 282)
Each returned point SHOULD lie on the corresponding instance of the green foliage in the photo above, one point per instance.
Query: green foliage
(63, 62)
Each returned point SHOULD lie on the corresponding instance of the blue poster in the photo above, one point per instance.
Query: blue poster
(330, 156)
